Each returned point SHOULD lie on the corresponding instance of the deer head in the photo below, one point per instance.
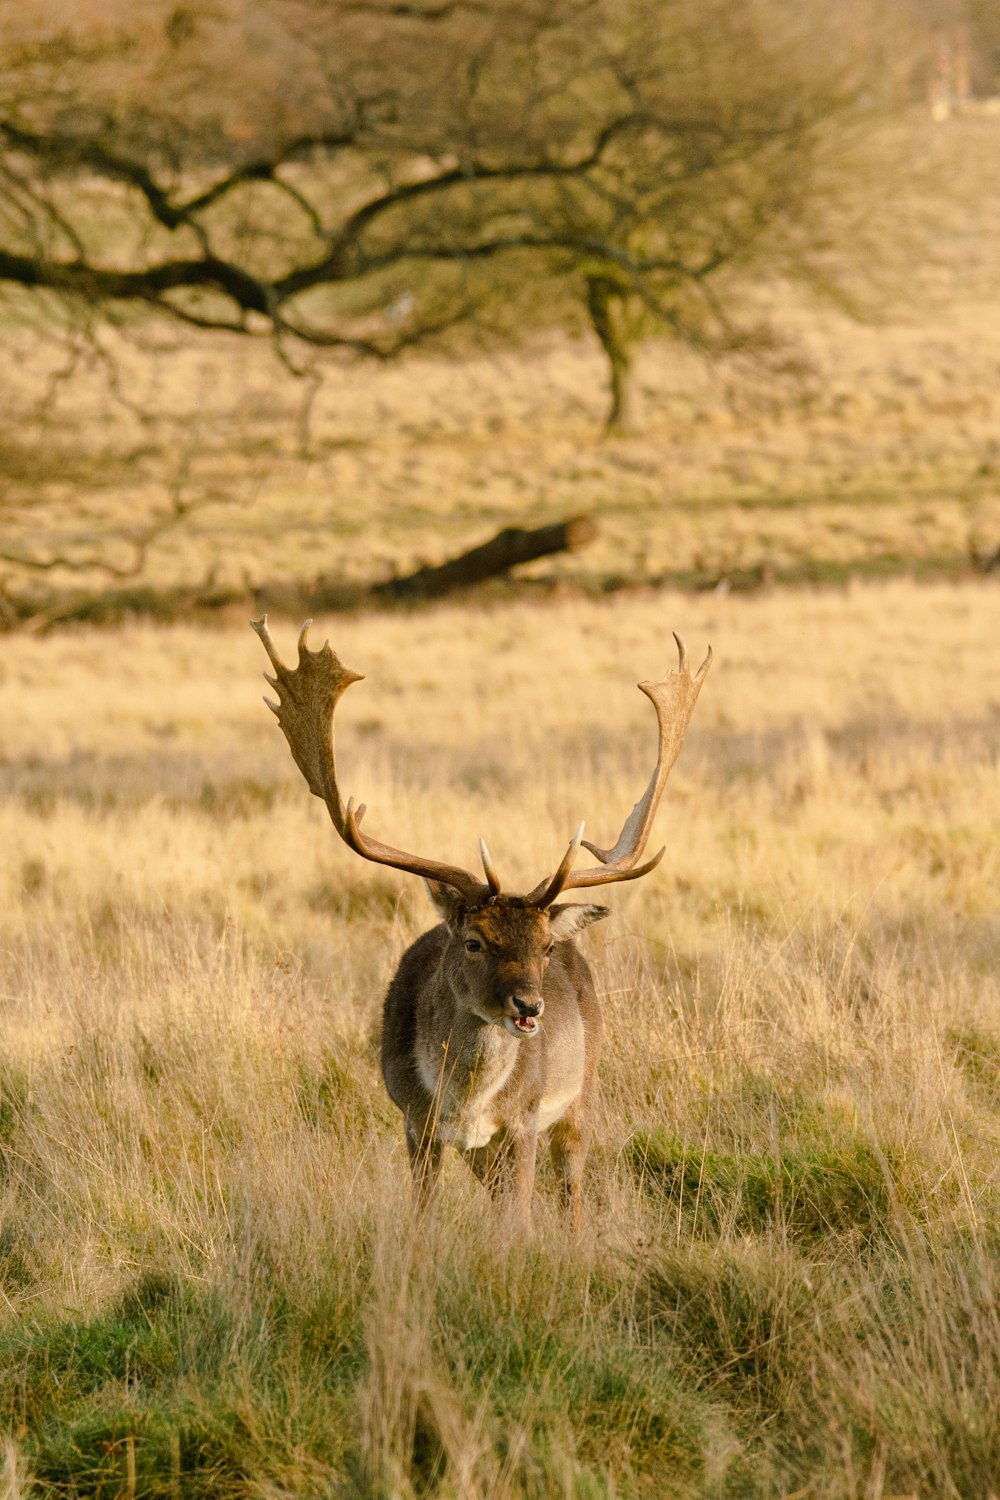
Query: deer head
(500, 951)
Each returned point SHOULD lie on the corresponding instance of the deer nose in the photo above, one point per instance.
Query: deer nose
(526, 1007)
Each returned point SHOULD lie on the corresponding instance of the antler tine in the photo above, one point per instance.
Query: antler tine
(308, 696)
(262, 630)
(544, 894)
(682, 652)
(673, 698)
(490, 869)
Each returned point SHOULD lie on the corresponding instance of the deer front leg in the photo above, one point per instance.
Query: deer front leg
(570, 1142)
(425, 1160)
(491, 1164)
(506, 1167)
(523, 1178)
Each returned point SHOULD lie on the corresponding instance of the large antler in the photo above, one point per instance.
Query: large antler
(308, 696)
(674, 698)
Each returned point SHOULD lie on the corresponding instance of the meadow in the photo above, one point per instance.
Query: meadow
(788, 1282)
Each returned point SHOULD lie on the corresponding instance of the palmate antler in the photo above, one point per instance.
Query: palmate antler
(674, 698)
(308, 696)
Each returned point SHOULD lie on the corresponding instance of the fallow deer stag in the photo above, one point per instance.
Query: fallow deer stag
(491, 1026)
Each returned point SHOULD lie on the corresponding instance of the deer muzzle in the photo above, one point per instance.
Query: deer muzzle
(525, 1008)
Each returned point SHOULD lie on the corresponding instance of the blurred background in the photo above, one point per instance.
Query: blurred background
(297, 297)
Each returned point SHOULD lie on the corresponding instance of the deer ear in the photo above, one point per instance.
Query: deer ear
(566, 921)
(447, 901)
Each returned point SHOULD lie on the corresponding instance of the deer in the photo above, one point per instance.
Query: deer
(491, 1025)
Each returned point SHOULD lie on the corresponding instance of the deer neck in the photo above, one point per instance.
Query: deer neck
(476, 1044)
(464, 1058)
(476, 1061)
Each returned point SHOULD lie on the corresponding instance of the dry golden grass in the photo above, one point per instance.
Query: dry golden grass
(882, 454)
(790, 1277)
(789, 1282)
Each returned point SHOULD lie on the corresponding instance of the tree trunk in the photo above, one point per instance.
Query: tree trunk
(509, 547)
(606, 304)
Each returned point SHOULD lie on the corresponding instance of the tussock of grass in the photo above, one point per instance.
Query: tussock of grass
(809, 1193)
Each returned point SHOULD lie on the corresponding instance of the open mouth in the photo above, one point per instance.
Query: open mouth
(526, 1025)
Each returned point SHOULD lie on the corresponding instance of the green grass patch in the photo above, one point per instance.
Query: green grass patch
(978, 1056)
(615, 1400)
(181, 1389)
(811, 1191)
(116, 1449)
(736, 1320)
(158, 1332)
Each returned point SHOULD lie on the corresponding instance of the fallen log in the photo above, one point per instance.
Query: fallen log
(502, 552)
(506, 550)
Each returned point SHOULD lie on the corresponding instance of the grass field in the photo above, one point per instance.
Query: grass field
(789, 1279)
(788, 1282)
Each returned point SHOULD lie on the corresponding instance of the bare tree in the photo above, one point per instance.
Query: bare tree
(367, 176)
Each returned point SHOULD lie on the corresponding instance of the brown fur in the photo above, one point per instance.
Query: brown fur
(460, 1073)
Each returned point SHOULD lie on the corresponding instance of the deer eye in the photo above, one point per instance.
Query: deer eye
(548, 951)
(473, 945)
